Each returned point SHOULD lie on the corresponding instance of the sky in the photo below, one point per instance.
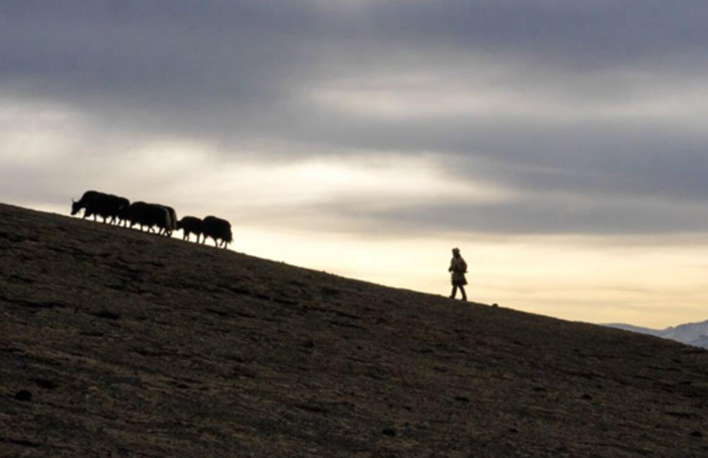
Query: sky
(559, 143)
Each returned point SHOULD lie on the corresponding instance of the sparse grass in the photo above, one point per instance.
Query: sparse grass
(135, 345)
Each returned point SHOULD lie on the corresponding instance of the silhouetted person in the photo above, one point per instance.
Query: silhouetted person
(458, 268)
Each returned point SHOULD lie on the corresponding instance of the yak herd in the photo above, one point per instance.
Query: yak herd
(118, 210)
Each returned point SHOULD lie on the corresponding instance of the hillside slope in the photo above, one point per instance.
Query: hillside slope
(119, 343)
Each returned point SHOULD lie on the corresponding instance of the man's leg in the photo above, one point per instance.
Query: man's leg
(464, 295)
(454, 292)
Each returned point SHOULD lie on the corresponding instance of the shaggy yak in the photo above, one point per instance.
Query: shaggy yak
(218, 229)
(191, 225)
(95, 203)
(147, 216)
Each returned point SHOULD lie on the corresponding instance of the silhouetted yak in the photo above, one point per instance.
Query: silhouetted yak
(95, 203)
(191, 225)
(86, 199)
(173, 220)
(218, 229)
(113, 208)
(106, 206)
(148, 215)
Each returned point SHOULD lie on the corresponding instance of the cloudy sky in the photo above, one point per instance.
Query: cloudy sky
(559, 143)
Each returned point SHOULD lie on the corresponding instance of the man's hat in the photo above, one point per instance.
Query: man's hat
(456, 250)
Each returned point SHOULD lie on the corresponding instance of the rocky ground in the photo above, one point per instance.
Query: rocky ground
(116, 343)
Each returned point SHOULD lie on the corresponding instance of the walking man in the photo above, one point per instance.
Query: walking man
(458, 269)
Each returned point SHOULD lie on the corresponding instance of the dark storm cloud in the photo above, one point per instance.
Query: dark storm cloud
(230, 58)
(574, 34)
(232, 72)
(534, 216)
(172, 59)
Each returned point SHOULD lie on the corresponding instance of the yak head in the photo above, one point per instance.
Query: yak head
(75, 207)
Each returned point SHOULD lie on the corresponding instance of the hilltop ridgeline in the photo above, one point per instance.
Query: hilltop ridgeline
(117, 343)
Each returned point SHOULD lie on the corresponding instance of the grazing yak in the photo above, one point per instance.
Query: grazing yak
(95, 203)
(148, 215)
(218, 229)
(191, 225)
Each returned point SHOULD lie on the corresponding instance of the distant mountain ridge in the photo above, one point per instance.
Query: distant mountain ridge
(695, 334)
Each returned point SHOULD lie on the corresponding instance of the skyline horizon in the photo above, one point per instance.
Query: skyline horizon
(439, 285)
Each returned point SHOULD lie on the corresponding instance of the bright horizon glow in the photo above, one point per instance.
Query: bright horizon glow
(593, 283)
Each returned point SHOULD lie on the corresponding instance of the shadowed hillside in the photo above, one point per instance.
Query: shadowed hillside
(123, 344)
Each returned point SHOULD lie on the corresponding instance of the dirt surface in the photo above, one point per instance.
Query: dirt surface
(116, 343)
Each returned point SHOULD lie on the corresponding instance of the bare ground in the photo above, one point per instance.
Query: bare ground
(123, 344)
